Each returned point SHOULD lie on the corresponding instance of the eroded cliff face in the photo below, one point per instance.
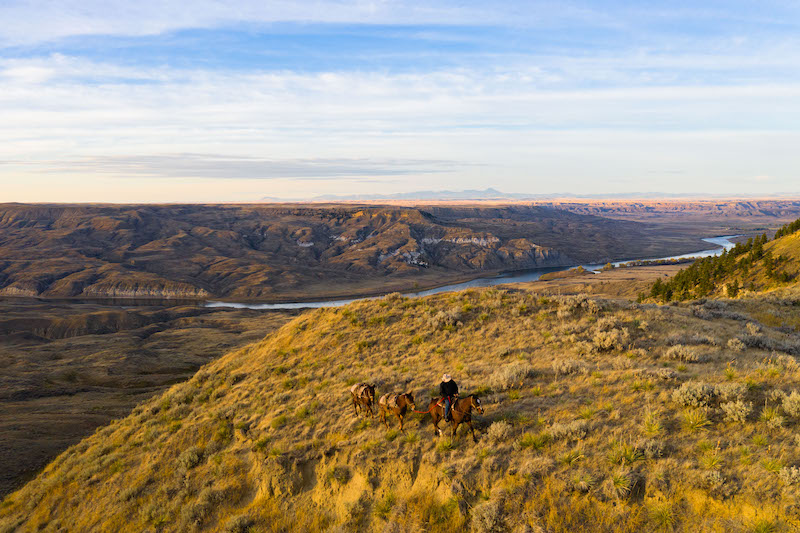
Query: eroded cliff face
(279, 251)
(753, 212)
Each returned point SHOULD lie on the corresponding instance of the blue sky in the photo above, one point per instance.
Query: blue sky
(235, 101)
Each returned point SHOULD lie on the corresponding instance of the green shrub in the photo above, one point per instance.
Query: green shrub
(509, 375)
(791, 404)
(239, 524)
(682, 353)
(499, 431)
(191, 457)
(790, 475)
(571, 431)
(694, 394)
(772, 417)
(488, 518)
(564, 367)
(737, 411)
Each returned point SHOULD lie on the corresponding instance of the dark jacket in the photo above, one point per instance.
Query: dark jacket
(448, 388)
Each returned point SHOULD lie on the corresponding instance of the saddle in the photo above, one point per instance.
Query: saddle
(389, 400)
(358, 389)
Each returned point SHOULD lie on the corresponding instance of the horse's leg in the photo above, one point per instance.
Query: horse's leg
(355, 406)
(383, 418)
(472, 429)
(455, 429)
(400, 418)
(435, 419)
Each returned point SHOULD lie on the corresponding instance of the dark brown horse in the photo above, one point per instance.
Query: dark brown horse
(460, 413)
(363, 396)
(401, 405)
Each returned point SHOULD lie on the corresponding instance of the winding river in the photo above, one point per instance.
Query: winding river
(720, 244)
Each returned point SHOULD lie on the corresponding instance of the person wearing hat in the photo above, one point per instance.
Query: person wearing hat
(449, 391)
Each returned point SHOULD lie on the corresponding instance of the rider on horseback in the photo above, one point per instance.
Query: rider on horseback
(449, 391)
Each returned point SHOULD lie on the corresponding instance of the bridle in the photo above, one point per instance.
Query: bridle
(409, 401)
(474, 402)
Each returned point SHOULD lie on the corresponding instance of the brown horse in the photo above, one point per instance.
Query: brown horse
(460, 413)
(402, 404)
(363, 396)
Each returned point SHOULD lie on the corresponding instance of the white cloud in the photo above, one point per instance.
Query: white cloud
(67, 119)
(30, 21)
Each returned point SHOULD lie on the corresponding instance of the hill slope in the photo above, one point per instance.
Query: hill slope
(280, 252)
(599, 415)
(758, 265)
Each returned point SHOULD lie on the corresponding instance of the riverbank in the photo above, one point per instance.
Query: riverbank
(721, 243)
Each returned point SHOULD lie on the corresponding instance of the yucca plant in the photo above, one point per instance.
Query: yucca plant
(622, 483)
(446, 445)
(624, 454)
(411, 437)
(772, 465)
(662, 517)
(711, 460)
(534, 441)
(764, 526)
(652, 424)
(695, 420)
(583, 482)
(571, 457)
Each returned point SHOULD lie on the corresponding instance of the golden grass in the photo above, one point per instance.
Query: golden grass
(600, 445)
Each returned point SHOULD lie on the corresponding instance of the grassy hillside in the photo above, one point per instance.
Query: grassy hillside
(600, 415)
(758, 265)
(285, 252)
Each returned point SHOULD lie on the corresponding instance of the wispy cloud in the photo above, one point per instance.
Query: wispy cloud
(218, 166)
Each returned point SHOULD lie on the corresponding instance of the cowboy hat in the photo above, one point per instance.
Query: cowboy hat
(446, 377)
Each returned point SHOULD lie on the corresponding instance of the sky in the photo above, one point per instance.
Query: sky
(212, 101)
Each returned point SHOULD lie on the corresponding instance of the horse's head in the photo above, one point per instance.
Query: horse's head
(371, 392)
(410, 400)
(475, 403)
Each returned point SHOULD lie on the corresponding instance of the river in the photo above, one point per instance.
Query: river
(721, 243)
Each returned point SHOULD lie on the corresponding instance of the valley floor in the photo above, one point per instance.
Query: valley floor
(68, 369)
